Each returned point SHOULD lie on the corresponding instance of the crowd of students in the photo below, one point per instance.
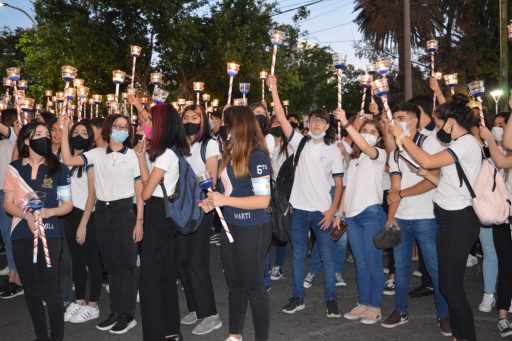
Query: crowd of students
(106, 185)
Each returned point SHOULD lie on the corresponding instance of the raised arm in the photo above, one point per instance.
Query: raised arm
(67, 158)
(278, 107)
(434, 85)
(143, 114)
(501, 160)
(356, 137)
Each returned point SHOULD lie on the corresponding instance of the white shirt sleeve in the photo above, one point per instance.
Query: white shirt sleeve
(381, 156)
(294, 140)
(166, 160)
(12, 135)
(337, 165)
(212, 149)
(91, 156)
(394, 169)
(271, 143)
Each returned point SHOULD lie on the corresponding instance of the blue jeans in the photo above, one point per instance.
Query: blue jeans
(302, 221)
(424, 231)
(339, 249)
(5, 229)
(370, 277)
(280, 256)
(490, 263)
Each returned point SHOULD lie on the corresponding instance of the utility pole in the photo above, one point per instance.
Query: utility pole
(503, 84)
(407, 50)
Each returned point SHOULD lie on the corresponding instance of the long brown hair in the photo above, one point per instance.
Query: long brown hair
(246, 136)
(356, 152)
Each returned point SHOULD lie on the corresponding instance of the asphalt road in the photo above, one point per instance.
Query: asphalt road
(309, 324)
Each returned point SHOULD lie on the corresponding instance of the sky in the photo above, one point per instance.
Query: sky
(330, 23)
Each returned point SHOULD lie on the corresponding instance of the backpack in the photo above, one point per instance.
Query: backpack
(182, 206)
(490, 197)
(286, 175)
(279, 208)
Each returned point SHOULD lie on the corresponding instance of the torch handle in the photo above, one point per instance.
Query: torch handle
(117, 91)
(274, 55)
(452, 91)
(432, 74)
(230, 89)
(197, 98)
(133, 70)
(262, 90)
(363, 101)
(481, 111)
(339, 73)
(223, 222)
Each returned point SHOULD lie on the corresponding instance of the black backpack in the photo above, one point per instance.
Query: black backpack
(280, 209)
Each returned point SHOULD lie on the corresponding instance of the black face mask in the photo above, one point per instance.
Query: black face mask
(262, 120)
(191, 128)
(294, 125)
(443, 136)
(224, 133)
(41, 146)
(301, 125)
(79, 143)
(276, 131)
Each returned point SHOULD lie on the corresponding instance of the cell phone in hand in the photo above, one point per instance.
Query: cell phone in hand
(336, 233)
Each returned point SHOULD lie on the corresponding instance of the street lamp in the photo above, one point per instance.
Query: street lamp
(496, 95)
(19, 9)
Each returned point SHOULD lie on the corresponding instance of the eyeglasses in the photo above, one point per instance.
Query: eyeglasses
(122, 128)
(320, 121)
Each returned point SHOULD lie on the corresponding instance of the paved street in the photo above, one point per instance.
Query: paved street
(309, 324)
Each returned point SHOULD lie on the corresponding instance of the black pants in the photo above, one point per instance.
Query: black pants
(159, 303)
(193, 263)
(41, 283)
(458, 231)
(85, 257)
(503, 245)
(244, 266)
(114, 227)
(65, 271)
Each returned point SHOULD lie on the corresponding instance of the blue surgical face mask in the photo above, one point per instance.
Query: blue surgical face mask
(404, 126)
(316, 136)
(119, 136)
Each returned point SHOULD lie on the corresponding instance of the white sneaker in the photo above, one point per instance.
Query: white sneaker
(340, 282)
(190, 318)
(86, 314)
(231, 338)
(138, 297)
(472, 261)
(417, 273)
(4, 271)
(72, 310)
(488, 302)
(207, 325)
(308, 280)
(275, 273)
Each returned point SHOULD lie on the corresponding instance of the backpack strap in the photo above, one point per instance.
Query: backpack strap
(299, 150)
(461, 174)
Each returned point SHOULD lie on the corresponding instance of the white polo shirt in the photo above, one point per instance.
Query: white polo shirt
(450, 195)
(6, 148)
(115, 173)
(364, 183)
(79, 187)
(195, 160)
(169, 162)
(418, 206)
(317, 163)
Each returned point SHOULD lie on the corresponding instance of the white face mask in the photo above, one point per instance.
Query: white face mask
(371, 139)
(497, 133)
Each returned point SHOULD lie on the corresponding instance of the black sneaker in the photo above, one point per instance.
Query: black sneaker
(123, 324)
(294, 304)
(108, 323)
(389, 287)
(504, 328)
(4, 287)
(12, 291)
(332, 309)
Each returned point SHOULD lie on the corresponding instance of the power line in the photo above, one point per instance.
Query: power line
(325, 13)
(295, 8)
(330, 28)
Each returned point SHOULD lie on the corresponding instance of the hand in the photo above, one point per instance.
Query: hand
(132, 100)
(341, 115)
(394, 222)
(271, 81)
(80, 234)
(486, 134)
(373, 108)
(420, 172)
(63, 123)
(205, 206)
(434, 85)
(31, 220)
(336, 223)
(327, 219)
(138, 232)
(396, 129)
(393, 197)
(140, 148)
(341, 147)
(46, 213)
(216, 199)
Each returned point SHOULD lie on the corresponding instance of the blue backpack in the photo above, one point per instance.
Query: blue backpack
(182, 206)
